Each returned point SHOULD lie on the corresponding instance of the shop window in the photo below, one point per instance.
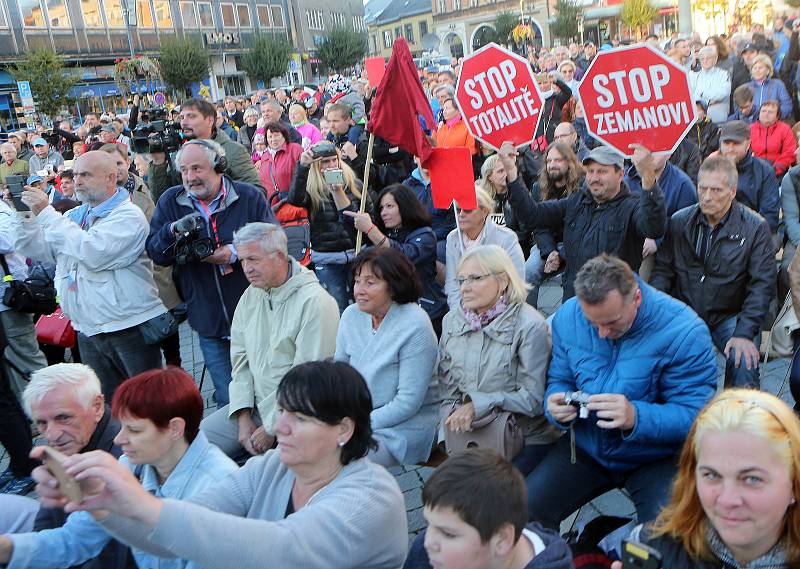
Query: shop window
(32, 13)
(243, 12)
(206, 14)
(228, 16)
(115, 18)
(145, 14)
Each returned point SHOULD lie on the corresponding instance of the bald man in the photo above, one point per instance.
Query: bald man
(103, 276)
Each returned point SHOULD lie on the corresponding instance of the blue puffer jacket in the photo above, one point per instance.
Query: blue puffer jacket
(664, 365)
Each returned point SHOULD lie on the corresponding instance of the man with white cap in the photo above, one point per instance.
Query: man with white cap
(603, 217)
(45, 158)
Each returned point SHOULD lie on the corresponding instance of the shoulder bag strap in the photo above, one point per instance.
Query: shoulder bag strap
(7, 277)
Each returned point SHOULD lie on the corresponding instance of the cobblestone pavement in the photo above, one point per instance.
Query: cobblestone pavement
(411, 478)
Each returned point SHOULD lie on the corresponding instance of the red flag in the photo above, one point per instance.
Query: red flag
(399, 102)
(376, 68)
(451, 177)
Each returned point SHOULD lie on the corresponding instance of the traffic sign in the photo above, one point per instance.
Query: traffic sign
(499, 97)
(28, 106)
(636, 95)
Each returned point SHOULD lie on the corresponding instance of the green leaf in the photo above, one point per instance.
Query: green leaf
(342, 48)
(267, 58)
(49, 78)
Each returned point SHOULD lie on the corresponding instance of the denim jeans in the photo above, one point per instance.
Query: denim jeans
(217, 356)
(735, 376)
(556, 487)
(531, 456)
(116, 356)
(336, 280)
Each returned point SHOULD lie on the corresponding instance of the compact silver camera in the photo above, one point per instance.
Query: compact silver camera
(580, 400)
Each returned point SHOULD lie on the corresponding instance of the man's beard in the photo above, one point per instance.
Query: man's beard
(555, 176)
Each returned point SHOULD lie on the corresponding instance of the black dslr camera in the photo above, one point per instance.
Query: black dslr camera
(160, 135)
(189, 245)
(579, 400)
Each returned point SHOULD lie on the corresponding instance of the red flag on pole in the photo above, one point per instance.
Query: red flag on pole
(399, 102)
(451, 177)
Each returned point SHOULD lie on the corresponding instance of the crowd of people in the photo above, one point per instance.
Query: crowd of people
(332, 363)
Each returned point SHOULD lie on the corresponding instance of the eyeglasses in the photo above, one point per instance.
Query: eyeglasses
(472, 279)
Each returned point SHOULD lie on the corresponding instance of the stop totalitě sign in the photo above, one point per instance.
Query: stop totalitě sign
(499, 97)
(636, 95)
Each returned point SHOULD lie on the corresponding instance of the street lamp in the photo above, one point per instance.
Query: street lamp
(129, 13)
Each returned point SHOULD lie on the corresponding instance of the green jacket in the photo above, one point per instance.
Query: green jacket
(18, 167)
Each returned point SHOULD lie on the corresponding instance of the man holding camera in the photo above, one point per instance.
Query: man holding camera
(631, 367)
(193, 228)
(198, 118)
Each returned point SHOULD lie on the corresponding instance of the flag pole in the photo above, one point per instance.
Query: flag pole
(365, 190)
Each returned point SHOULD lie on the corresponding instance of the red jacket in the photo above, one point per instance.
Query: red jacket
(776, 144)
(276, 173)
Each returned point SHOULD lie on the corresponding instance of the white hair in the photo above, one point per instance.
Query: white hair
(271, 237)
(81, 380)
(213, 151)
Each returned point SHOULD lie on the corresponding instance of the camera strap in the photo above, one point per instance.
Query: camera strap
(211, 216)
(572, 453)
(7, 276)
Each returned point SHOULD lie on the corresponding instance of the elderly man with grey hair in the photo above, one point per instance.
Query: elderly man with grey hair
(67, 406)
(283, 319)
(201, 213)
(272, 111)
(711, 84)
(11, 164)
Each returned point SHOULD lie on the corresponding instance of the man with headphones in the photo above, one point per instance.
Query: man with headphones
(201, 213)
(198, 121)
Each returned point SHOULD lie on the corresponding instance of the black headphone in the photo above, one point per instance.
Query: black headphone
(220, 161)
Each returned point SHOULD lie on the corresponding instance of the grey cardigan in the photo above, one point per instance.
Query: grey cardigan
(502, 365)
(493, 234)
(357, 521)
(397, 363)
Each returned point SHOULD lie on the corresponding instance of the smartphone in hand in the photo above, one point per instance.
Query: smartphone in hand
(637, 555)
(54, 461)
(16, 185)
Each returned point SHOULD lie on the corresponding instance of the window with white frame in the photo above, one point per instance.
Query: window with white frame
(92, 17)
(144, 14)
(315, 20)
(205, 14)
(163, 13)
(228, 16)
(442, 6)
(337, 20)
(262, 16)
(188, 14)
(456, 5)
(243, 13)
(57, 14)
(387, 39)
(114, 15)
(277, 17)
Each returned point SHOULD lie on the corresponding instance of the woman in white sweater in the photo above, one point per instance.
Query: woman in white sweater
(388, 338)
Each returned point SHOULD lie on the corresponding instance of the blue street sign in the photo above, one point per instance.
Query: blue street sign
(24, 89)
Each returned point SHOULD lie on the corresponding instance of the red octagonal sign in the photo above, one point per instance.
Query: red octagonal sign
(636, 95)
(499, 97)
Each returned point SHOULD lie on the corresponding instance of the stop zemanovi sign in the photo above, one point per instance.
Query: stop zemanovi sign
(636, 95)
(499, 97)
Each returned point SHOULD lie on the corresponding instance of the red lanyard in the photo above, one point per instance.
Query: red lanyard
(211, 217)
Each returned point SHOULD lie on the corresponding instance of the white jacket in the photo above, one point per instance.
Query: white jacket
(714, 87)
(103, 275)
(16, 263)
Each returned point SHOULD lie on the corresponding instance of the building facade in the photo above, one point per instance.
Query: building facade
(94, 33)
(462, 25)
(310, 22)
(410, 19)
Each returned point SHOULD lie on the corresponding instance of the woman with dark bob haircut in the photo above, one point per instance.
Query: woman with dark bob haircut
(387, 337)
(404, 224)
(159, 412)
(314, 502)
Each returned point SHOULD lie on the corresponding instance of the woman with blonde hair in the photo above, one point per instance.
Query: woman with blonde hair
(476, 227)
(299, 120)
(734, 499)
(766, 87)
(326, 186)
(493, 353)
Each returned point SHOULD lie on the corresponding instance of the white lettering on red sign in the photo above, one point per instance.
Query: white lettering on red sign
(637, 85)
(486, 88)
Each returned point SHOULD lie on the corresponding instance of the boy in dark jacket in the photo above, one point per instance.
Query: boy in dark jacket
(455, 499)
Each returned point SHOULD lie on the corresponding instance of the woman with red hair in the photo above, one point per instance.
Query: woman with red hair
(159, 412)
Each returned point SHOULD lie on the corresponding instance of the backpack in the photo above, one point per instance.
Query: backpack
(294, 221)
